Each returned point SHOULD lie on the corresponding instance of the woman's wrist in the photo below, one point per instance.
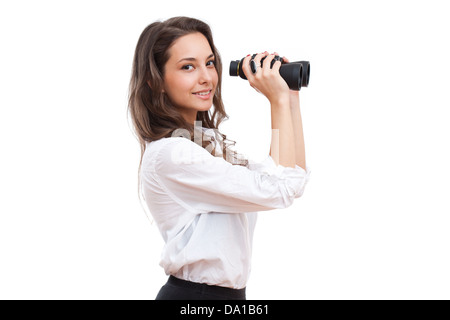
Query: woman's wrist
(294, 98)
(282, 101)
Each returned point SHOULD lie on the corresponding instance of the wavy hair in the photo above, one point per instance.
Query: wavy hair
(153, 114)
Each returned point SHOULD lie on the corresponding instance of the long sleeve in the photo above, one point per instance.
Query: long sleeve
(202, 183)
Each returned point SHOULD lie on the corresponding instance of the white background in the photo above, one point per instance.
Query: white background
(374, 220)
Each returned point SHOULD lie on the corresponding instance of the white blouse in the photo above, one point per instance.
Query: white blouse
(206, 208)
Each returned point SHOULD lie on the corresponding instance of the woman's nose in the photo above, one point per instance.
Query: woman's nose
(205, 75)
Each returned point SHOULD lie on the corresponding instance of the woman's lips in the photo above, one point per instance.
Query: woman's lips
(205, 95)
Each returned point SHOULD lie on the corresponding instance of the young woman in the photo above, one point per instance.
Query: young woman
(204, 196)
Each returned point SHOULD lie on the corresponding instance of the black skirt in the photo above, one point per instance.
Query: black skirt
(177, 289)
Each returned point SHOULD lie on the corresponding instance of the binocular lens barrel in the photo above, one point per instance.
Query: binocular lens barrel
(296, 74)
(306, 71)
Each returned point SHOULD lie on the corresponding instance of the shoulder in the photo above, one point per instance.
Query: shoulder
(167, 153)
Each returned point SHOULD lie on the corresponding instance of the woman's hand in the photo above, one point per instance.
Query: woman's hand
(266, 80)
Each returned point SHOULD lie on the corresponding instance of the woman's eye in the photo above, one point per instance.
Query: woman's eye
(211, 63)
(188, 67)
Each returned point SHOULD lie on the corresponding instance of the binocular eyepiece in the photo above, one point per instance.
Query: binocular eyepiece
(296, 74)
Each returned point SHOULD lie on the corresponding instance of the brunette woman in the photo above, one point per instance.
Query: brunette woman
(204, 196)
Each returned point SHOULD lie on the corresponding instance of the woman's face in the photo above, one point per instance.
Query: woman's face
(190, 76)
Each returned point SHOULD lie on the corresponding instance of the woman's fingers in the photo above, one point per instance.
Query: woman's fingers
(277, 64)
(255, 64)
(268, 62)
(265, 79)
(251, 65)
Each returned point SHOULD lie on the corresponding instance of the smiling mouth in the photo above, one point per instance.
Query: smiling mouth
(203, 93)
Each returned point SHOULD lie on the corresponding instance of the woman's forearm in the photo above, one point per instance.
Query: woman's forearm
(300, 158)
(282, 146)
(268, 81)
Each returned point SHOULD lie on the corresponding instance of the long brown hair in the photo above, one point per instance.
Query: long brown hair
(153, 114)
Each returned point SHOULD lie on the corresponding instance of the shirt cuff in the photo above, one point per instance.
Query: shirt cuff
(268, 166)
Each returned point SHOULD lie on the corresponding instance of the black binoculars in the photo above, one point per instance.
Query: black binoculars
(296, 74)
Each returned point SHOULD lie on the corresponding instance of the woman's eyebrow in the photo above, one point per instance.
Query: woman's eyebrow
(194, 59)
